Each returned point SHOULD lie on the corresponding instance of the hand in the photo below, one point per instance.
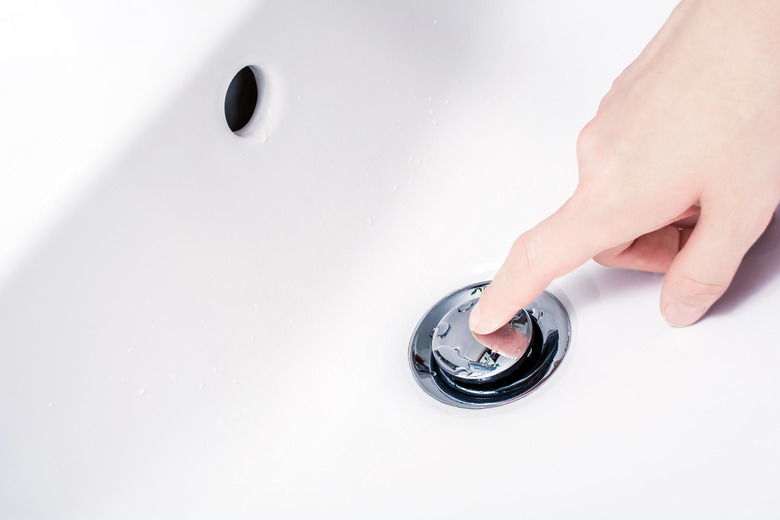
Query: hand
(679, 169)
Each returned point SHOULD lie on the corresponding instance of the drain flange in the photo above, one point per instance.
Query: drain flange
(454, 368)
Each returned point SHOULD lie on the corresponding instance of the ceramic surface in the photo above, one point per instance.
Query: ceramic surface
(195, 324)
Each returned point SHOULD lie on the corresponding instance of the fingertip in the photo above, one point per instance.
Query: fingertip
(682, 315)
(483, 325)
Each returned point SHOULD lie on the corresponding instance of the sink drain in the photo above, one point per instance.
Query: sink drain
(453, 367)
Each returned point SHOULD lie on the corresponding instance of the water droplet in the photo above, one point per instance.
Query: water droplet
(202, 385)
(50, 405)
(442, 329)
(430, 111)
(264, 138)
(411, 158)
(435, 122)
(435, 22)
(430, 99)
(395, 187)
(446, 101)
(235, 381)
(298, 97)
(369, 221)
(466, 306)
(215, 369)
(141, 391)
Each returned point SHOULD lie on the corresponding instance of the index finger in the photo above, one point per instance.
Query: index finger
(559, 244)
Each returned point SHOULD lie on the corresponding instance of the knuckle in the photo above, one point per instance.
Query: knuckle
(623, 79)
(698, 291)
(599, 164)
(588, 143)
(524, 264)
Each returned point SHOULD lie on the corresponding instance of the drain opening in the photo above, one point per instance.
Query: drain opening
(242, 98)
(453, 367)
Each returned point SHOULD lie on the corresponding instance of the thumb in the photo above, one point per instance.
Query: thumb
(704, 268)
(557, 245)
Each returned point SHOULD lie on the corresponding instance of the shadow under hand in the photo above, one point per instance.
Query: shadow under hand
(759, 267)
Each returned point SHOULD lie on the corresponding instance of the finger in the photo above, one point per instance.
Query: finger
(653, 252)
(559, 244)
(705, 266)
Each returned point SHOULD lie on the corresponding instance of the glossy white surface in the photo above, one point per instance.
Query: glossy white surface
(79, 80)
(201, 325)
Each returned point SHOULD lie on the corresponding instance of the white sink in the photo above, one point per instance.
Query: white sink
(197, 324)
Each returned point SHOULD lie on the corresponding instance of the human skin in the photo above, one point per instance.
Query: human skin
(679, 169)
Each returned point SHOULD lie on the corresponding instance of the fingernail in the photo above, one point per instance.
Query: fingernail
(474, 318)
(681, 315)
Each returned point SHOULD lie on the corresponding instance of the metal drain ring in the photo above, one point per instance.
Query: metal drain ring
(552, 337)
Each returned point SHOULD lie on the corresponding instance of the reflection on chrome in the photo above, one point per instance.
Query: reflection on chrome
(461, 369)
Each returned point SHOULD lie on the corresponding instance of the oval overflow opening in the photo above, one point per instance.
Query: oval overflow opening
(242, 99)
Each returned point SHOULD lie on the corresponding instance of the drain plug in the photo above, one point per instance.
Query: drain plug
(456, 368)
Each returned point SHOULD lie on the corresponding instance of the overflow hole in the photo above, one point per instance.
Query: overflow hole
(242, 98)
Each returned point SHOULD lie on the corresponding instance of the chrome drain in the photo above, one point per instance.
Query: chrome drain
(453, 367)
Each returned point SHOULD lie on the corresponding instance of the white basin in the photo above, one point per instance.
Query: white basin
(195, 324)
